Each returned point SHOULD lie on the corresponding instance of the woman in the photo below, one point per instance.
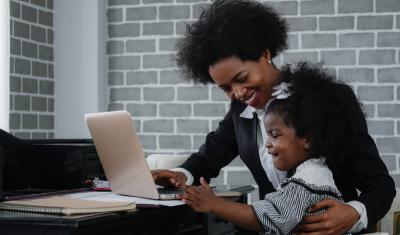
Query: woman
(232, 45)
(305, 135)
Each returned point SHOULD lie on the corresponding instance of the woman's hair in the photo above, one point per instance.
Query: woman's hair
(241, 28)
(315, 111)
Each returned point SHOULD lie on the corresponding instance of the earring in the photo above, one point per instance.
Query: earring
(269, 61)
(306, 146)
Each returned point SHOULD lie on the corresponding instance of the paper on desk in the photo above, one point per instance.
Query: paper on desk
(112, 197)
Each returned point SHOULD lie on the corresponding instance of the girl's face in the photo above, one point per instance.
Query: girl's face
(250, 82)
(287, 149)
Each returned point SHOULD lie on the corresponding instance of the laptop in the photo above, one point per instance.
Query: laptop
(122, 157)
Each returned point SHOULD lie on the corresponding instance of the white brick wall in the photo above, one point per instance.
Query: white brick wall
(358, 40)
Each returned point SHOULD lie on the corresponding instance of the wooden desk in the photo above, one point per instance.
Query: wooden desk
(163, 220)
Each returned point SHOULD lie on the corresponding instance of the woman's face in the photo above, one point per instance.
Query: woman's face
(287, 149)
(249, 82)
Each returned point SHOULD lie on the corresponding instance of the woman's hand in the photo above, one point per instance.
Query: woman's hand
(167, 178)
(337, 219)
(200, 198)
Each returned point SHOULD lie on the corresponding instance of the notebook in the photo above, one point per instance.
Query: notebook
(65, 206)
(122, 157)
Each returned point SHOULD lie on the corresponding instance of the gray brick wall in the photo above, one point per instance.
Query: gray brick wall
(31, 69)
(358, 40)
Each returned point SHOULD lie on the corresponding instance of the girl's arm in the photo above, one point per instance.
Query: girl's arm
(241, 214)
(203, 199)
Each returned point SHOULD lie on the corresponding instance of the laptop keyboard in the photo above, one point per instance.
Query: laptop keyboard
(170, 191)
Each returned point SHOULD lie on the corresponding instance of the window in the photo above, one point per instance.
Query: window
(4, 64)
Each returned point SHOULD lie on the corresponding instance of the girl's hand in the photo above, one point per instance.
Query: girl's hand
(200, 198)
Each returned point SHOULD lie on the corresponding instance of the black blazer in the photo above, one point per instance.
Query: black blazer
(364, 171)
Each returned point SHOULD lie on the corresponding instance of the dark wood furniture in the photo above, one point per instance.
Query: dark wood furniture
(35, 166)
(163, 220)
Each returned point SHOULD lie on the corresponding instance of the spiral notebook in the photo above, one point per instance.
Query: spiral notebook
(64, 205)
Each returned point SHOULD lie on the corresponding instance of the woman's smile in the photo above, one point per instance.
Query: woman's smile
(252, 99)
(249, 82)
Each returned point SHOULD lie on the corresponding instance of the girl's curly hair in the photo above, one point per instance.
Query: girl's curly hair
(242, 28)
(315, 110)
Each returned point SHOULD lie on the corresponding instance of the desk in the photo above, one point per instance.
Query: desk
(39, 165)
(163, 220)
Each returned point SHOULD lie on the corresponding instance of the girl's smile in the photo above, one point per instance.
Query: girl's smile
(286, 148)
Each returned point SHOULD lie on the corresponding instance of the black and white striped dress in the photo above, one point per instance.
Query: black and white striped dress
(281, 211)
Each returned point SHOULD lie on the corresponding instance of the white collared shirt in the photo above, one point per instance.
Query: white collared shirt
(275, 176)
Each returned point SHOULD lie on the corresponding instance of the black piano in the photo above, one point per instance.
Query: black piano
(35, 166)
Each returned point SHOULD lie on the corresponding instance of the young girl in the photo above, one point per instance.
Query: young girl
(308, 130)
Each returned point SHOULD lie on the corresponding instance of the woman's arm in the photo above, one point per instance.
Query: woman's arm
(366, 169)
(363, 170)
(219, 149)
